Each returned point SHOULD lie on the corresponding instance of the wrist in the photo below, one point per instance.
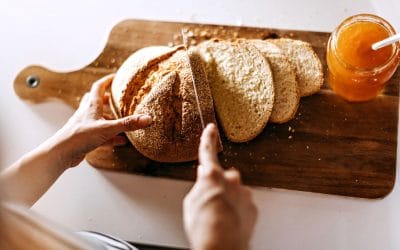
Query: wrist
(217, 236)
(220, 244)
(56, 150)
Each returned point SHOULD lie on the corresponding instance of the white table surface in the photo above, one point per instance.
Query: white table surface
(66, 35)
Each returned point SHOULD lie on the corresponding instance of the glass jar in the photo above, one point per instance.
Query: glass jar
(355, 71)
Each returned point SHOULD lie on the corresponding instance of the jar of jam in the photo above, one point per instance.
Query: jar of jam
(355, 71)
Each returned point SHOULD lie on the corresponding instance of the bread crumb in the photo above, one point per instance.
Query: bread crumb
(204, 33)
(307, 147)
(190, 33)
(319, 159)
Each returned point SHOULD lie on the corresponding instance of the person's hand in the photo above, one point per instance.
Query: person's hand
(88, 129)
(32, 175)
(218, 212)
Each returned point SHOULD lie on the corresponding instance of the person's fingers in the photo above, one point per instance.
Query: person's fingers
(246, 193)
(84, 100)
(97, 93)
(106, 97)
(210, 173)
(83, 104)
(232, 176)
(248, 207)
(118, 140)
(108, 116)
(107, 112)
(128, 123)
(208, 149)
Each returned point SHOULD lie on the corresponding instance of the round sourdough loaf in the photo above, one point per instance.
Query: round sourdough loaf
(157, 81)
(241, 83)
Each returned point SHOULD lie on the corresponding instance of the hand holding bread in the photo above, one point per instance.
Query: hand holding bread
(88, 129)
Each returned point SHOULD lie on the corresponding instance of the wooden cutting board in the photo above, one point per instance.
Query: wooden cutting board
(331, 146)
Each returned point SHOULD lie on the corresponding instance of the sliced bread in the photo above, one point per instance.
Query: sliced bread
(158, 81)
(242, 87)
(287, 96)
(308, 66)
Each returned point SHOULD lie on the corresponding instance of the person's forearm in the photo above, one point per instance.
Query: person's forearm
(31, 176)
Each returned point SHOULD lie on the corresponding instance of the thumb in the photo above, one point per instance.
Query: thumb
(129, 123)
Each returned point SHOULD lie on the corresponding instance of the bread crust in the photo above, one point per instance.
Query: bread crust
(287, 93)
(309, 70)
(160, 84)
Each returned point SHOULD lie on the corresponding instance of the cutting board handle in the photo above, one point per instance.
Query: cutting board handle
(37, 84)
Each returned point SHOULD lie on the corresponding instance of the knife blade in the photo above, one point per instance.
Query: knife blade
(185, 45)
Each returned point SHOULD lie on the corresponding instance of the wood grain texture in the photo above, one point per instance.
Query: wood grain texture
(331, 146)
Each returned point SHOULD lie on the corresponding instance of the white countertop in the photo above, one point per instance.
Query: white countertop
(67, 35)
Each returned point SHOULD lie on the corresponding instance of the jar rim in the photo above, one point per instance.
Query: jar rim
(365, 18)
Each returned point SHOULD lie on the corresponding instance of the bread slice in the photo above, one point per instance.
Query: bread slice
(159, 83)
(287, 96)
(308, 66)
(242, 87)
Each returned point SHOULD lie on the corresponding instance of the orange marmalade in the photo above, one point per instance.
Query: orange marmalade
(355, 71)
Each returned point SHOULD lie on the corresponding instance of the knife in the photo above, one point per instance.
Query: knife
(185, 45)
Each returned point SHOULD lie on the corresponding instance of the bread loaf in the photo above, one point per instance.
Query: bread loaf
(242, 87)
(157, 81)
